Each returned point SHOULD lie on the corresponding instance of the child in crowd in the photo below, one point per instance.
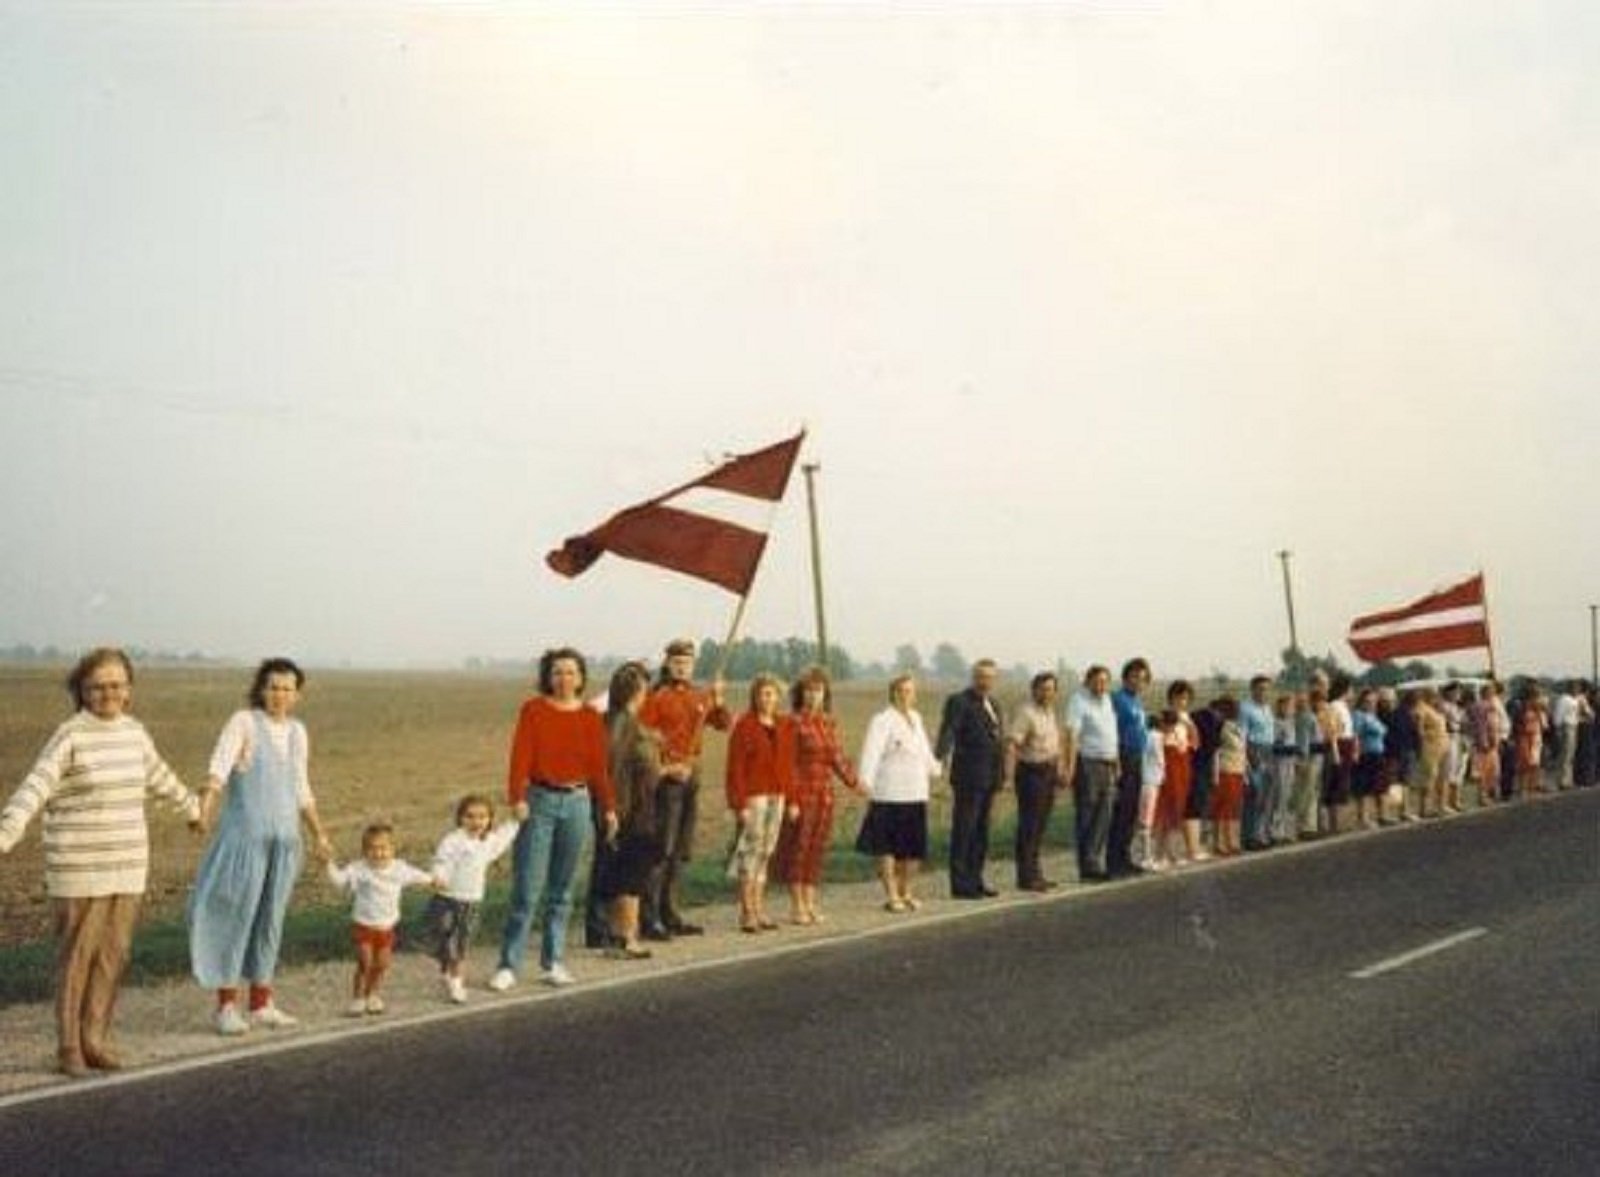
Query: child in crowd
(1152, 773)
(376, 880)
(1175, 842)
(460, 864)
(1227, 794)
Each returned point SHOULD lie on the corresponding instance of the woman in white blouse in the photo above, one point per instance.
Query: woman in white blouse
(896, 764)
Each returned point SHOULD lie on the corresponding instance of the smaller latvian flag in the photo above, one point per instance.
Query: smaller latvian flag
(696, 528)
(1455, 618)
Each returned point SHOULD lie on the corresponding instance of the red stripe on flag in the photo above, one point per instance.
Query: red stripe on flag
(1417, 642)
(1468, 592)
(763, 474)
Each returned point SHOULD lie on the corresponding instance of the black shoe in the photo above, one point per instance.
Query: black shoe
(599, 940)
(987, 891)
(1093, 876)
(966, 895)
(656, 932)
(684, 928)
(1038, 886)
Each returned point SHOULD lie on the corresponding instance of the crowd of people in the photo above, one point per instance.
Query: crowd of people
(1156, 785)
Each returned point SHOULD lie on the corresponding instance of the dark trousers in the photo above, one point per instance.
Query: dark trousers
(596, 919)
(676, 807)
(1126, 814)
(1094, 795)
(969, 836)
(1036, 797)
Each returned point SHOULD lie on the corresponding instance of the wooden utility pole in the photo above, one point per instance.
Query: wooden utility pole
(809, 469)
(1288, 599)
(1594, 645)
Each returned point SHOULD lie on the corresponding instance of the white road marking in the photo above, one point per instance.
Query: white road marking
(1405, 958)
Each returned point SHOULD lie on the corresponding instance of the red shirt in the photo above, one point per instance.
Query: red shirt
(556, 747)
(681, 713)
(760, 760)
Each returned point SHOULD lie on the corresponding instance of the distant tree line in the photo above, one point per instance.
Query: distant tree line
(54, 655)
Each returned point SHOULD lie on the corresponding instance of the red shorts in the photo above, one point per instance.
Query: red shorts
(366, 936)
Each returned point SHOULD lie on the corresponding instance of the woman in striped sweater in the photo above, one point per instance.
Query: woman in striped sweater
(91, 781)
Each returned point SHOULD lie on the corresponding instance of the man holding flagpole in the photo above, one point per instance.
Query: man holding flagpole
(686, 530)
(680, 712)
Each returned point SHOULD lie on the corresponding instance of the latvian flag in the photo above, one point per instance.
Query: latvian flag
(1450, 619)
(701, 528)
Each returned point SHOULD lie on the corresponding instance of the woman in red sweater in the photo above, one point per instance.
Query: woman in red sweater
(559, 768)
(760, 780)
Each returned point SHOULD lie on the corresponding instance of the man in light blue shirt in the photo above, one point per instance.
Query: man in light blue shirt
(1090, 745)
(1260, 799)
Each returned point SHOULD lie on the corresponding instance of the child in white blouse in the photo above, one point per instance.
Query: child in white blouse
(376, 880)
(460, 864)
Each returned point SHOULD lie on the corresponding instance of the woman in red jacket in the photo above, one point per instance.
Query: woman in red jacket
(760, 780)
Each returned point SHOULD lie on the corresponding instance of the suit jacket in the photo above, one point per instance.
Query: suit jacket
(973, 736)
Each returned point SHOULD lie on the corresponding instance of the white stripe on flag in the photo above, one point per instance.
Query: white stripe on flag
(1466, 615)
(725, 506)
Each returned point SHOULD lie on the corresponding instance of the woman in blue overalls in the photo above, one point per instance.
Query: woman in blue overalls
(242, 890)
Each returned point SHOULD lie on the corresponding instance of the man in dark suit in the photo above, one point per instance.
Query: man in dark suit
(971, 735)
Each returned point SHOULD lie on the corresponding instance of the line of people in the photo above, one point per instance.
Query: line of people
(1152, 790)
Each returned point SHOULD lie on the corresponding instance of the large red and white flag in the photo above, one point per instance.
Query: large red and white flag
(702, 528)
(1454, 618)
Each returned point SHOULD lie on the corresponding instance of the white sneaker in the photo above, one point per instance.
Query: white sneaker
(375, 1004)
(557, 976)
(456, 990)
(502, 980)
(356, 1008)
(272, 1018)
(230, 1023)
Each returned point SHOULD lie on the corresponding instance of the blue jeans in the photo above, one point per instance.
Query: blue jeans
(544, 859)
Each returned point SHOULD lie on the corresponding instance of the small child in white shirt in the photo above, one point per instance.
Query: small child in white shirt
(460, 864)
(376, 880)
(1152, 774)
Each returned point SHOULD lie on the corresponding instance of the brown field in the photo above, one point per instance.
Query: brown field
(399, 745)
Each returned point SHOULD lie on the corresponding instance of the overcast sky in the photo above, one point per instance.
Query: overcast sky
(319, 324)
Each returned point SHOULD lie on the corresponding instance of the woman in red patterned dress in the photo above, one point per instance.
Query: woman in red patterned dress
(808, 828)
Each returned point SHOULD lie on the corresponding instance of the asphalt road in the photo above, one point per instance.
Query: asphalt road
(1205, 1023)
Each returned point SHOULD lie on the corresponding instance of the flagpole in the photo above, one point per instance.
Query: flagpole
(1488, 629)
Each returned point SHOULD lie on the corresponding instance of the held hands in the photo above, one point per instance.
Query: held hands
(520, 811)
(793, 811)
(323, 849)
(611, 826)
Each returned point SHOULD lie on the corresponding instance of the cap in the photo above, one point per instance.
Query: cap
(679, 646)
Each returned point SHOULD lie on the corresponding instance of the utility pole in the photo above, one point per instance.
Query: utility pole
(809, 469)
(1288, 599)
(1594, 646)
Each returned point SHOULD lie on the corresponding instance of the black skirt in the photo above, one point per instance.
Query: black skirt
(895, 829)
(625, 865)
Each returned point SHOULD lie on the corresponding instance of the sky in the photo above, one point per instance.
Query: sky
(320, 324)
